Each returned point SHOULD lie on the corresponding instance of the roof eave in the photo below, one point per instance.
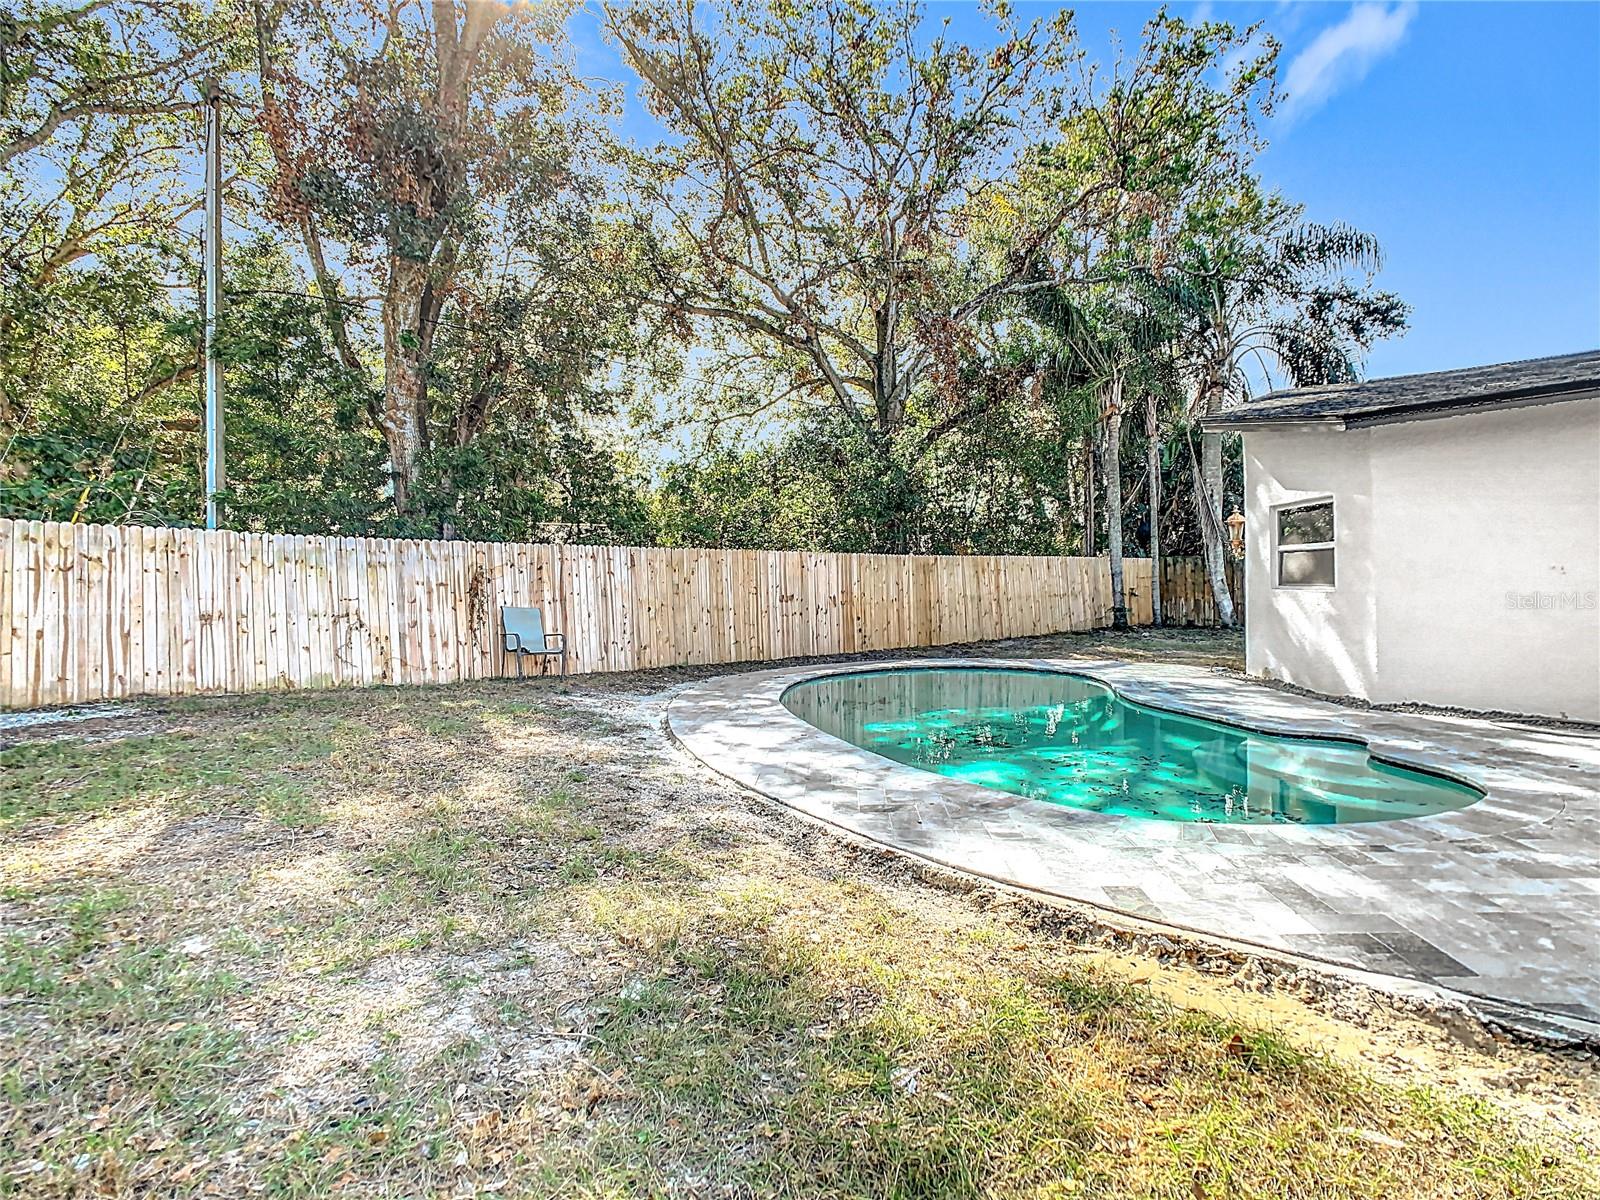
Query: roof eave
(1222, 423)
(1395, 416)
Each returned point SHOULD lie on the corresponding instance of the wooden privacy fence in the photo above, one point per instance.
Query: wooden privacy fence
(95, 612)
(1185, 592)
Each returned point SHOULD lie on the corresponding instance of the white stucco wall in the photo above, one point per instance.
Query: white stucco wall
(1325, 640)
(1467, 560)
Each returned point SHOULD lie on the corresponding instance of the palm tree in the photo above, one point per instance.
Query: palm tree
(1268, 291)
(1110, 343)
(1161, 394)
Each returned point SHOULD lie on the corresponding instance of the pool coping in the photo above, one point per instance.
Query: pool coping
(1492, 905)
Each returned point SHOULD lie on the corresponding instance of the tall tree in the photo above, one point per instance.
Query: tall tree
(1262, 288)
(430, 142)
(96, 124)
(1109, 342)
(1162, 129)
(826, 166)
(840, 188)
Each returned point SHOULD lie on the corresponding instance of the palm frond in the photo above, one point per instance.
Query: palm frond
(1312, 246)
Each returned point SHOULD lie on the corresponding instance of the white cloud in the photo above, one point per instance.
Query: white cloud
(1342, 54)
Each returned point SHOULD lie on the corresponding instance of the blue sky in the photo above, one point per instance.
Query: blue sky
(1471, 146)
(1466, 136)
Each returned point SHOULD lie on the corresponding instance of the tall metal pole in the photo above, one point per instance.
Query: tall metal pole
(216, 476)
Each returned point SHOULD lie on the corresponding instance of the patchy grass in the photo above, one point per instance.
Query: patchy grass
(893, 1057)
(503, 940)
(247, 768)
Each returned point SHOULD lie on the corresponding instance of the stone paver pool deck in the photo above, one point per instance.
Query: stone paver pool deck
(1498, 902)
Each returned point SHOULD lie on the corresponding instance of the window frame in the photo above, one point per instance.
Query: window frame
(1279, 549)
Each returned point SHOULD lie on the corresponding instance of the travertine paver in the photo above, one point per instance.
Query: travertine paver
(1499, 902)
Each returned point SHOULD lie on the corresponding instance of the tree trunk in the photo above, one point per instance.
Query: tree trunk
(1067, 516)
(1088, 495)
(406, 336)
(1113, 474)
(1211, 538)
(1216, 561)
(1208, 501)
(8, 418)
(1152, 458)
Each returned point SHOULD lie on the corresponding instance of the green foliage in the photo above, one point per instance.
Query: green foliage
(1002, 486)
(528, 481)
(764, 498)
(829, 485)
(96, 366)
(944, 283)
(80, 468)
(996, 487)
(301, 457)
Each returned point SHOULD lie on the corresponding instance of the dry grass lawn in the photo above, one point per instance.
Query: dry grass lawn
(506, 940)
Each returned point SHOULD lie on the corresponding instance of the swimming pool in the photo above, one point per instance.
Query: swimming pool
(1070, 740)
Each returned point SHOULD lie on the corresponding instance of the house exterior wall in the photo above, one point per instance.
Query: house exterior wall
(1325, 640)
(1467, 560)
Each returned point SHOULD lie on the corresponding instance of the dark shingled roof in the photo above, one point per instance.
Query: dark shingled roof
(1374, 401)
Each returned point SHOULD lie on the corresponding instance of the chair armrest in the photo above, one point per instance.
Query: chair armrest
(560, 640)
(513, 642)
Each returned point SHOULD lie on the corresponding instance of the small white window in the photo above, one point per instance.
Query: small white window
(1305, 544)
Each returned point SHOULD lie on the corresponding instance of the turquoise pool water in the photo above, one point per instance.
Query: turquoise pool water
(1069, 740)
